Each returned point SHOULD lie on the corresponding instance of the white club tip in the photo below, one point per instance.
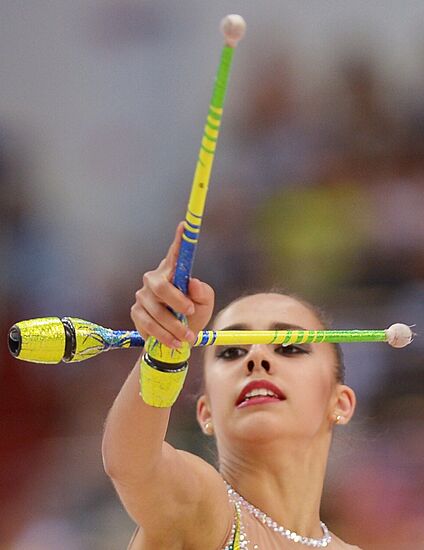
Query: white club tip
(399, 335)
(233, 27)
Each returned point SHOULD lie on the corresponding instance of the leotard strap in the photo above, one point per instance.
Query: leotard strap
(233, 542)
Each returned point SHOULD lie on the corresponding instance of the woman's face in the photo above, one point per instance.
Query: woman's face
(301, 377)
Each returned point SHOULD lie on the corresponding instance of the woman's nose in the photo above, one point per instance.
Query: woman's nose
(263, 363)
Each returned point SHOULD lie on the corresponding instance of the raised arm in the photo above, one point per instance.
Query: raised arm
(159, 485)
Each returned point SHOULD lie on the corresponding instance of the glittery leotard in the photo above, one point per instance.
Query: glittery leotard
(237, 533)
(248, 532)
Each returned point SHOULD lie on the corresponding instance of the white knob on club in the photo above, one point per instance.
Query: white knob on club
(233, 27)
(399, 335)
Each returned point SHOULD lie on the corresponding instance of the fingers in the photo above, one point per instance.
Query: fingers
(148, 326)
(158, 283)
(203, 298)
(172, 254)
(150, 312)
(200, 293)
(151, 315)
(160, 313)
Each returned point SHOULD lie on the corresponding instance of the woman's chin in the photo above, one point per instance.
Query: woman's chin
(264, 427)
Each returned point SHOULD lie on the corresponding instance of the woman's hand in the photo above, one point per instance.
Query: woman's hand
(150, 312)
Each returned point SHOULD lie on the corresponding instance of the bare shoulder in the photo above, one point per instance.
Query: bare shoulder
(142, 541)
(201, 515)
(208, 482)
(214, 513)
(341, 545)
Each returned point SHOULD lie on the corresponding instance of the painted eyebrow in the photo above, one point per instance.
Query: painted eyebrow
(273, 326)
(285, 326)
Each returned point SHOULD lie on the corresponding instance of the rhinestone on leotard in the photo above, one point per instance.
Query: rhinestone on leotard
(273, 525)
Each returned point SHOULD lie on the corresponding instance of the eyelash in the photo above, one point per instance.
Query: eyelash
(291, 350)
(233, 353)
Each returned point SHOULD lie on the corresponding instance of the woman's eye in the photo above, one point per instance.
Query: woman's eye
(292, 350)
(231, 353)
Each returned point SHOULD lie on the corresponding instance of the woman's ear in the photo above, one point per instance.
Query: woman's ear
(203, 414)
(345, 404)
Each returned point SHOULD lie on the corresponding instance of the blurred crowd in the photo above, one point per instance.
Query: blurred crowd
(325, 199)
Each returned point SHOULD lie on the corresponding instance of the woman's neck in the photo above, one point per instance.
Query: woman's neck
(284, 481)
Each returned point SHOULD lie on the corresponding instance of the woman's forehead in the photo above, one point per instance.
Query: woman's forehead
(261, 311)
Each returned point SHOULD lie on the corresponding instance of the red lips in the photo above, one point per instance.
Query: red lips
(256, 384)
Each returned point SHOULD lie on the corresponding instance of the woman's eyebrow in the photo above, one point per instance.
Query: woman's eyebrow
(236, 326)
(285, 326)
(273, 326)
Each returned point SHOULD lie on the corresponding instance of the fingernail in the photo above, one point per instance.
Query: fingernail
(189, 335)
(176, 343)
(190, 310)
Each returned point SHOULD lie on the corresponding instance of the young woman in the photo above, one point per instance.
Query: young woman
(272, 410)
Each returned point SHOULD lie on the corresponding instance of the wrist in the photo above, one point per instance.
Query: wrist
(162, 373)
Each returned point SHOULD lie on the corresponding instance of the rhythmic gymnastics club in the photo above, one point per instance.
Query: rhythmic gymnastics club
(233, 28)
(51, 340)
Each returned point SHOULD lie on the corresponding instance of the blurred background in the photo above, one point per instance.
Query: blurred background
(318, 188)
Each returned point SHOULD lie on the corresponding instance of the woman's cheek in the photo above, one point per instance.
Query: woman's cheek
(219, 385)
(315, 391)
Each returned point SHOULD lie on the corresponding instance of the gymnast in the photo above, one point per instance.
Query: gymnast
(271, 402)
(271, 408)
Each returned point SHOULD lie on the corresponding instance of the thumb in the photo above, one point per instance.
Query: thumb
(203, 297)
(172, 254)
(200, 293)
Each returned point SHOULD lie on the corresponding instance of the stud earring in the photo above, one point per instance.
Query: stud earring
(338, 418)
(208, 428)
